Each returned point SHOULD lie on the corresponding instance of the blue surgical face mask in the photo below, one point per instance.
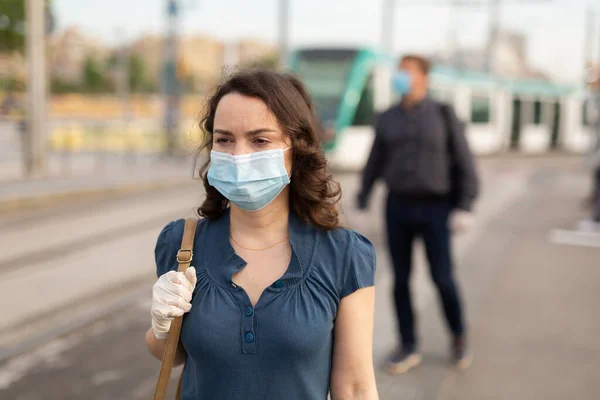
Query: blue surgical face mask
(402, 83)
(250, 181)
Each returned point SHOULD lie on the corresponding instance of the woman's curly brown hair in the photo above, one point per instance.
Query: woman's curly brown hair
(313, 192)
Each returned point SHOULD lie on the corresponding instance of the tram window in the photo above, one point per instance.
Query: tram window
(537, 112)
(365, 109)
(325, 78)
(480, 110)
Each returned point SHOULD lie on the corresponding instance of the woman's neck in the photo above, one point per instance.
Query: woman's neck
(255, 229)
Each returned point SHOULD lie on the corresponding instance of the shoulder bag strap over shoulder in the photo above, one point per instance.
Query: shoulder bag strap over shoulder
(184, 259)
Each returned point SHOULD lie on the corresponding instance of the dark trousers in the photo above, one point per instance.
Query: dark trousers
(407, 220)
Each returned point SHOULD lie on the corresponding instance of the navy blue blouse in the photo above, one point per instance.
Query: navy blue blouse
(282, 348)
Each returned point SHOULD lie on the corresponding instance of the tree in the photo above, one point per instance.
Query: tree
(12, 24)
(94, 77)
(137, 73)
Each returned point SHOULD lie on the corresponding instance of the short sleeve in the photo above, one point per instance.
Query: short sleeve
(359, 266)
(167, 246)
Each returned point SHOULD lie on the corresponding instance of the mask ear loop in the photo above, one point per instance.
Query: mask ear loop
(290, 174)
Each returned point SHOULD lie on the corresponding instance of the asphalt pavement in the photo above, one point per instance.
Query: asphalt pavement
(531, 303)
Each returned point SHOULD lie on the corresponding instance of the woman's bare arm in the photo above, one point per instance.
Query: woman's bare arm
(157, 348)
(352, 373)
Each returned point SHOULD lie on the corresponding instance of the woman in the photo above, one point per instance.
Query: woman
(280, 302)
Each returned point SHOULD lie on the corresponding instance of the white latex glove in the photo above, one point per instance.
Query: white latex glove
(461, 221)
(171, 297)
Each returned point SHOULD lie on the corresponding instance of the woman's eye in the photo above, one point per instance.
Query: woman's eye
(221, 140)
(261, 141)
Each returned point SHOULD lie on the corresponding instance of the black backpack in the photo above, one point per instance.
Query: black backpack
(455, 182)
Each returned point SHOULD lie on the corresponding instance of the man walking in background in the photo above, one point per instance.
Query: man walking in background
(421, 152)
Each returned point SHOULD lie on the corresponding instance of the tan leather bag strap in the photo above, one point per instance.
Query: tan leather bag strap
(184, 259)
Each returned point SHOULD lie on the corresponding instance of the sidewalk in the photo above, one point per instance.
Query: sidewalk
(100, 264)
(87, 177)
(536, 325)
(502, 186)
(530, 304)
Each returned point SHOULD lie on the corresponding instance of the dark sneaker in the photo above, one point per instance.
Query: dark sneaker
(402, 361)
(461, 356)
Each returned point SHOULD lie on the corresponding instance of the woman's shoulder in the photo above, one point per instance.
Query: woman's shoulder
(168, 243)
(347, 240)
(353, 261)
(173, 231)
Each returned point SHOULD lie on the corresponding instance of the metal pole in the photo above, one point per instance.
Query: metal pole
(493, 34)
(588, 48)
(283, 28)
(35, 163)
(171, 84)
(387, 26)
(592, 45)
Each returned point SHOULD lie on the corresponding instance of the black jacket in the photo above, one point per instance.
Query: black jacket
(422, 153)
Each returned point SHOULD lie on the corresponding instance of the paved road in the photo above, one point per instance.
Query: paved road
(532, 318)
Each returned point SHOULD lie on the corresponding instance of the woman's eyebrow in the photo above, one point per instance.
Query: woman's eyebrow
(249, 133)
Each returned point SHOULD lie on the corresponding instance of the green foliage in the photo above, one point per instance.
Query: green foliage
(12, 84)
(94, 75)
(12, 24)
(12, 18)
(137, 74)
(60, 86)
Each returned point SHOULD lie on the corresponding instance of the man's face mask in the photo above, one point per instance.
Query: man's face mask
(402, 83)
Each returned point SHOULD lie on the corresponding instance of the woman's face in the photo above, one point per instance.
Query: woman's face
(245, 125)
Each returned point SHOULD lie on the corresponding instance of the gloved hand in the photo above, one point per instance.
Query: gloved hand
(461, 221)
(171, 297)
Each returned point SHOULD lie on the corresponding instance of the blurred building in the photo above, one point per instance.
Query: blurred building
(201, 57)
(251, 50)
(149, 48)
(200, 64)
(68, 51)
(12, 65)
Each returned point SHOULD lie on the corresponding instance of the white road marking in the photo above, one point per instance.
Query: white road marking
(575, 238)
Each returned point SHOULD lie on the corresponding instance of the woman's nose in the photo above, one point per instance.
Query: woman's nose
(241, 148)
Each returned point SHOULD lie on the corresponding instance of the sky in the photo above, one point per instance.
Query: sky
(555, 29)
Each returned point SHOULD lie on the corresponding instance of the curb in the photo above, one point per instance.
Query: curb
(29, 202)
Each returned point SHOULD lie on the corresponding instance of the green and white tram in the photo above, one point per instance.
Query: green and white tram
(351, 85)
